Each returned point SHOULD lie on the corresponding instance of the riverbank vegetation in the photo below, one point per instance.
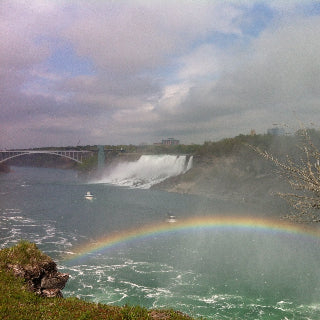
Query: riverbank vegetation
(246, 166)
(16, 302)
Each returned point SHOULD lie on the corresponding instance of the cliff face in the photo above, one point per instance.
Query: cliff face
(37, 269)
(246, 180)
(43, 279)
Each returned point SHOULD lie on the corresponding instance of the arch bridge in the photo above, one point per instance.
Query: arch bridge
(75, 155)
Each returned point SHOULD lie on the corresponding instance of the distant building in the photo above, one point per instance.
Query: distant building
(253, 132)
(276, 131)
(170, 141)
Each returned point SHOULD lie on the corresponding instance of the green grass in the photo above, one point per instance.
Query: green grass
(24, 253)
(19, 304)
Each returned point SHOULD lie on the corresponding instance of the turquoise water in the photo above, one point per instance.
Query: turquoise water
(217, 273)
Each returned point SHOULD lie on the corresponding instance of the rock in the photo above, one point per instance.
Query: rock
(52, 293)
(42, 278)
(55, 280)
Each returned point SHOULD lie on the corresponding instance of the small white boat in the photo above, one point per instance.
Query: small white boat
(171, 219)
(88, 196)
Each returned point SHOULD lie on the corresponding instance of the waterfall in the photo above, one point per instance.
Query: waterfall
(147, 170)
(190, 163)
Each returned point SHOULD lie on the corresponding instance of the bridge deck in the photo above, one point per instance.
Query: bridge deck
(76, 155)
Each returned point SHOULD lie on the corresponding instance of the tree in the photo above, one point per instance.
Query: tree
(303, 175)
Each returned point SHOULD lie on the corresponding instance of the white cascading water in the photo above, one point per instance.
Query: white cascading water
(147, 171)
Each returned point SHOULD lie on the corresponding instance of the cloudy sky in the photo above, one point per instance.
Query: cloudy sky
(131, 71)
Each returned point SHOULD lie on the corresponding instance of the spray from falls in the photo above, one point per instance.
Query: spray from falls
(147, 170)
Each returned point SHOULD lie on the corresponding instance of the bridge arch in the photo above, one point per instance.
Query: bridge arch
(74, 155)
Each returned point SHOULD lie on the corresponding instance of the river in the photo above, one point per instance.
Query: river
(214, 261)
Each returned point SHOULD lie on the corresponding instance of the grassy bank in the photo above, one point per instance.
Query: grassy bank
(16, 302)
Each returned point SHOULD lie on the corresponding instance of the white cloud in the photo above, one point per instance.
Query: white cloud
(276, 79)
(285, 64)
(158, 69)
(129, 37)
(203, 63)
(172, 97)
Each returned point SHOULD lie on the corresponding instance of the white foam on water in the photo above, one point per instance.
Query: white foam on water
(132, 285)
(147, 171)
(159, 292)
(16, 226)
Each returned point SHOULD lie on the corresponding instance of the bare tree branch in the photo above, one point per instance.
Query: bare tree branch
(303, 177)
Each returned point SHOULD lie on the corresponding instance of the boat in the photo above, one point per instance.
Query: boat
(171, 219)
(88, 195)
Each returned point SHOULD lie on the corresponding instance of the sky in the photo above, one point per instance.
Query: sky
(78, 72)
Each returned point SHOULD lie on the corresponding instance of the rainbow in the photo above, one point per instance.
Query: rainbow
(203, 222)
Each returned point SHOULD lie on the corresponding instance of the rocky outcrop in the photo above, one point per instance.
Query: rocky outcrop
(42, 278)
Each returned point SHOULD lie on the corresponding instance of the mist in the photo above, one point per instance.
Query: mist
(146, 171)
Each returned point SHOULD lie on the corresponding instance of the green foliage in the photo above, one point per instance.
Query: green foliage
(281, 145)
(134, 313)
(168, 149)
(88, 164)
(23, 253)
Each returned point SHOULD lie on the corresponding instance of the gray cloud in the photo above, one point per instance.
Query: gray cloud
(158, 69)
(277, 74)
